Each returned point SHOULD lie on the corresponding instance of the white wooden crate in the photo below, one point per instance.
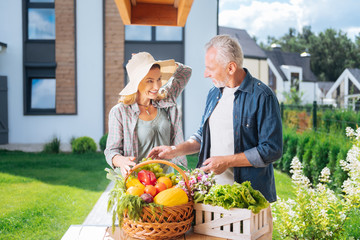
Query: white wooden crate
(236, 223)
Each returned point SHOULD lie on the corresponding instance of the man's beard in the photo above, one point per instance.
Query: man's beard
(221, 84)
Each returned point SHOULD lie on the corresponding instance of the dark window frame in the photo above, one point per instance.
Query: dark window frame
(28, 5)
(38, 72)
(42, 65)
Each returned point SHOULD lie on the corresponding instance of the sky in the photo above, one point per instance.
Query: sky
(262, 18)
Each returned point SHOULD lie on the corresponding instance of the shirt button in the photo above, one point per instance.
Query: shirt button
(247, 125)
(259, 84)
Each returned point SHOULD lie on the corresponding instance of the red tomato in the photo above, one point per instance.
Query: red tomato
(150, 189)
(147, 177)
(160, 186)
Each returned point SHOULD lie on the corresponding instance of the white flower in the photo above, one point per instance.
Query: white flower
(349, 132)
(325, 175)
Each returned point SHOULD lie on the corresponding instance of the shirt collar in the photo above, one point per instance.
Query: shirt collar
(247, 84)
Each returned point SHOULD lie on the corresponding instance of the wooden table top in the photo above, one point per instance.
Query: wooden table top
(84, 232)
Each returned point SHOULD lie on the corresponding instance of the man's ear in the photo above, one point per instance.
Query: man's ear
(232, 66)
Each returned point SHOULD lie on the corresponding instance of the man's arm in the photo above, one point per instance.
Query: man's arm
(219, 164)
(168, 152)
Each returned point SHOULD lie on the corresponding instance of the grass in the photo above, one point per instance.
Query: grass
(43, 194)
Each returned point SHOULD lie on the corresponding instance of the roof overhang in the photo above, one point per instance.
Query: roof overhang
(154, 12)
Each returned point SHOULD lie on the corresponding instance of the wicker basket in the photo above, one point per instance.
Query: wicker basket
(165, 223)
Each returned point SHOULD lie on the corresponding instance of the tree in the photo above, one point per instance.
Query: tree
(332, 52)
(293, 97)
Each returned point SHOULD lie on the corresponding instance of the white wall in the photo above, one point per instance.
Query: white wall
(258, 69)
(310, 91)
(200, 27)
(41, 129)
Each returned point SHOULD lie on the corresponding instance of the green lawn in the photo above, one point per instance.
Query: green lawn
(43, 194)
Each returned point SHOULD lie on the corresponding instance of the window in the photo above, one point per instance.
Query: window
(43, 93)
(272, 80)
(137, 33)
(352, 89)
(148, 33)
(295, 80)
(168, 33)
(40, 90)
(41, 20)
(39, 57)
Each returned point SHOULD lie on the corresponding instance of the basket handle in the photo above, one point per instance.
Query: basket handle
(162, 162)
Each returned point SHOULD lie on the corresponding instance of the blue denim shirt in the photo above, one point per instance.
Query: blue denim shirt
(257, 133)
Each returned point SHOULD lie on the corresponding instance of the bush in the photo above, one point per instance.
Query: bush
(53, 146)
(102, 142)
(83, 145)
(319, 158)
(316, 212)
(290, 153)
(315, 151)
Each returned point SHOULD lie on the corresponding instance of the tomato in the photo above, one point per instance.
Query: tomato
(160, 186)
(150, 189)
(165, 180)
(147, 177)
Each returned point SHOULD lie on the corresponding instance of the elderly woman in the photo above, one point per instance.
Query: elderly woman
(146, 115)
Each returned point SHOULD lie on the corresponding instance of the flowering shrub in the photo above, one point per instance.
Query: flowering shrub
(200, 183)
(317, 212)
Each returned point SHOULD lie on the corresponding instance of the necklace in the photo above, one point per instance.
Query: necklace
(146, 107)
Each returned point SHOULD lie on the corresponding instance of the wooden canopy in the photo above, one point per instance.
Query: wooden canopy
(154, 12)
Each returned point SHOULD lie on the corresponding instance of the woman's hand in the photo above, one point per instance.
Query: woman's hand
(162, 152)
(123, 163)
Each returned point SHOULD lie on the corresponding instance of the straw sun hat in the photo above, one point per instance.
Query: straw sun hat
(138, 67)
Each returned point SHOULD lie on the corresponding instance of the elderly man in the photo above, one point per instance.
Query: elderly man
(241, 132)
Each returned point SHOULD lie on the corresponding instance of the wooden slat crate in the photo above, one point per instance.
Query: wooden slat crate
(236, 223)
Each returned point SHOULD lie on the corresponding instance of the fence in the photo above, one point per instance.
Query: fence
(320, 118)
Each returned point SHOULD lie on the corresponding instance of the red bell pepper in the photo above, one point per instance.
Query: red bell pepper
(147, 177)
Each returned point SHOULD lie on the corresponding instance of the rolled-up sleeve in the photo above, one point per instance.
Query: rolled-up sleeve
(269, 129)
(180, 78)
(115, 140)
(254, 157)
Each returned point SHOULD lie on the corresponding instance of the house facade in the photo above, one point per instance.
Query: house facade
(345, 91)
(292, 70)
(64, 64)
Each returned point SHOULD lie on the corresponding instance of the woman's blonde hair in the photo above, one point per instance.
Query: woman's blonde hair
(131, 99)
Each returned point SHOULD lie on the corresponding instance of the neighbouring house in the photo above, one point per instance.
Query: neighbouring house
(255, 59)
(345, 92)
(64, 64)
(324, 88)
(292, 70)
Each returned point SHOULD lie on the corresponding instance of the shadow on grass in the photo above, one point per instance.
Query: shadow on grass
(85, 171)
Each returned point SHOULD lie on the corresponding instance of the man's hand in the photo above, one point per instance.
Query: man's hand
(123, 163)
(162, 152)
(217, 165)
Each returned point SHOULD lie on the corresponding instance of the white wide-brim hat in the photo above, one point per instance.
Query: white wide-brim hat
(138, 67)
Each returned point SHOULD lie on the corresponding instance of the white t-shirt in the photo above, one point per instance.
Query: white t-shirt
(222, 132)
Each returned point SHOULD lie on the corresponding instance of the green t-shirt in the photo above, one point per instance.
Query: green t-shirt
(153, 133)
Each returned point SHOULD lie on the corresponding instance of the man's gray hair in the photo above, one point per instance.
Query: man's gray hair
(228, 50)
